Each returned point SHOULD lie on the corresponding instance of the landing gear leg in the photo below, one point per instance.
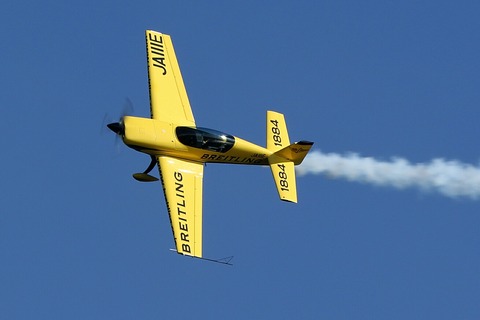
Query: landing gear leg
(144, 176)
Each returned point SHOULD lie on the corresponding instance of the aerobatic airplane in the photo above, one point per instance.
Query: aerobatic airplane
(181, 149)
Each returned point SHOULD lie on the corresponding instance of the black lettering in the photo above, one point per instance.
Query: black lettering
(179, 189)
(183, 226)
(181, 210)
(178, 176)
(160, 63)
(157, 47)
(153, 37)
(157, 52)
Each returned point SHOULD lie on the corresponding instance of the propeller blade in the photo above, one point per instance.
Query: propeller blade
(127, 108)
(117, 127)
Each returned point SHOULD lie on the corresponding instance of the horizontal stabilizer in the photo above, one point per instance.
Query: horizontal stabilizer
(277, 133)
(284, 175)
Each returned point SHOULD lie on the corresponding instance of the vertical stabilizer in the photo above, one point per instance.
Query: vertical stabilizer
(285, 156)
(284, 175)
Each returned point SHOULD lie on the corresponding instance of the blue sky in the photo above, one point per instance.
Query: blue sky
(80, 239)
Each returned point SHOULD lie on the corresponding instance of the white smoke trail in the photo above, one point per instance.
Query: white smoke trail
(450, 178)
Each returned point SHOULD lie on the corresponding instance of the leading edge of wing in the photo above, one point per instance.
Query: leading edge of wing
(183, 186)
(168, 96)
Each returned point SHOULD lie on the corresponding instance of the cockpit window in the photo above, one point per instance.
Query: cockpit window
(204, 138)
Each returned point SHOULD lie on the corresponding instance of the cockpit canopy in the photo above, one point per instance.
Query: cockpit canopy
(204, 138)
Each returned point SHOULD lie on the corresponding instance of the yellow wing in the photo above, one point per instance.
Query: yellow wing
(182, 183)
(168, 97)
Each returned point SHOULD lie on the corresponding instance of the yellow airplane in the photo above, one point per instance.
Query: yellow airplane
(181, 149)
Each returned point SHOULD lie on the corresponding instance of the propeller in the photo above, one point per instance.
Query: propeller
(117, 127)
(127, 108)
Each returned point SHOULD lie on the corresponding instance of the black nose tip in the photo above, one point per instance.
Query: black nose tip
(116, 127)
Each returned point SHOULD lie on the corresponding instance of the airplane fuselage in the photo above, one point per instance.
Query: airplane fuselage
(157, 138)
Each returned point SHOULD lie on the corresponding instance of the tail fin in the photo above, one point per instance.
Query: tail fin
(285, 155)
(295, 152)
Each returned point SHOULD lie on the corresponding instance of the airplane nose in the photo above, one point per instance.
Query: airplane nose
(116, 127)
